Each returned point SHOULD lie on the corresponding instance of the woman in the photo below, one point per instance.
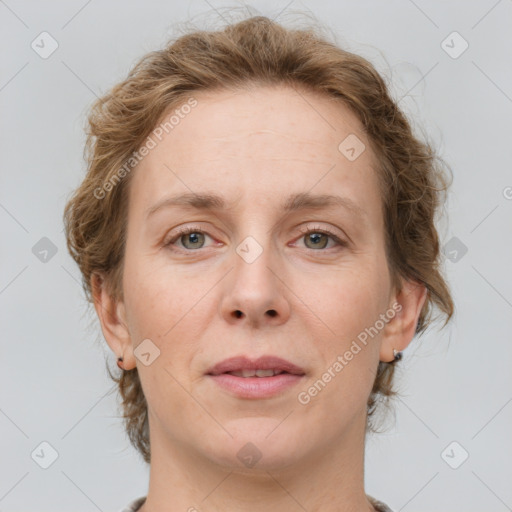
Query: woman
(256, 233)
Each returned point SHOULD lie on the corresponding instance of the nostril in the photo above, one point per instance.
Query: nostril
(238, 313)
(272, 312)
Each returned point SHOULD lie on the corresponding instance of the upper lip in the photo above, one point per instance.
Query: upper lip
(240, 363)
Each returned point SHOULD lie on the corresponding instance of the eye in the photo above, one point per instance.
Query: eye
(319, 238)
(191, 238)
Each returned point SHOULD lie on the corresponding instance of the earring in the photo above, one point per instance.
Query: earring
(119, 361)
(396, 356)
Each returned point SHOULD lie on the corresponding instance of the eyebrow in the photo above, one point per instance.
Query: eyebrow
(295, 202)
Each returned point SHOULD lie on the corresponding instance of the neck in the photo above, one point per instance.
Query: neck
(329, 480)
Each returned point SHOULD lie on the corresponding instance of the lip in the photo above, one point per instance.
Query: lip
(255, 387)
(240, 363)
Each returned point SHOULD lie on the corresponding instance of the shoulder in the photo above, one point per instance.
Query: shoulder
(134, 505)
(378, 505)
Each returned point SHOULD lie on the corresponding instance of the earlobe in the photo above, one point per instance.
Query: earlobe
(400, 330)
(112, 317)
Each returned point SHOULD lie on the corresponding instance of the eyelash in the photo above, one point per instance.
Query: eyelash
(191, 229)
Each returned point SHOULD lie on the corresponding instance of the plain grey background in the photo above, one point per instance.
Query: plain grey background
(455, 384)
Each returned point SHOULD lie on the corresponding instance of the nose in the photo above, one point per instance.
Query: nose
(255, 292)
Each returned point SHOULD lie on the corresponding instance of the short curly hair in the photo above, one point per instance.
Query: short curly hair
(255, 50)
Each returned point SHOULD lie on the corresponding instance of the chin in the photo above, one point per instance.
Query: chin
(258, 444)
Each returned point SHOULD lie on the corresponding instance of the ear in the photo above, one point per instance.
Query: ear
(400, 329)
(112, 316)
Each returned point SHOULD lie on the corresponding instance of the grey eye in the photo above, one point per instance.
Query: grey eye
(195, 238)
(315, 239)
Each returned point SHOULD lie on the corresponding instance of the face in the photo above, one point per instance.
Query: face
(264, 274)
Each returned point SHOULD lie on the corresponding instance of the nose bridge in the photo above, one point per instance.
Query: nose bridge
(254, 260)
(255, 291)
(255, 237)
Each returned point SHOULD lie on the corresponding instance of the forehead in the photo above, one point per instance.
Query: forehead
(269, 140)
(280, 118)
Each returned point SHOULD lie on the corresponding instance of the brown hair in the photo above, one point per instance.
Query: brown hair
(254, 51)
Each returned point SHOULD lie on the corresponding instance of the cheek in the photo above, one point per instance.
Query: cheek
(349, 306)
(157, 295)
(170, 308)
(347, 300)
(164, 307)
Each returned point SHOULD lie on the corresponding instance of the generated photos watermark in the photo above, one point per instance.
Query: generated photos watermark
(151, 142)
(305, 396)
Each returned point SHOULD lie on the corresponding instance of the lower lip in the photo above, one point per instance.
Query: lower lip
(256, 387)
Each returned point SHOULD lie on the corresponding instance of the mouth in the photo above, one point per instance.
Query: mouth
(255, 379)
(265, 366)
(256, 373)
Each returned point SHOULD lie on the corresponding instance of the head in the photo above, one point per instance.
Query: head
(258, 120)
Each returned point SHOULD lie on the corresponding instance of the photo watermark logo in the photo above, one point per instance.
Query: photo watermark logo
(172, 121)
(304, 397)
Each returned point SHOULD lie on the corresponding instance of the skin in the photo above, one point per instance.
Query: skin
(255, 147)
